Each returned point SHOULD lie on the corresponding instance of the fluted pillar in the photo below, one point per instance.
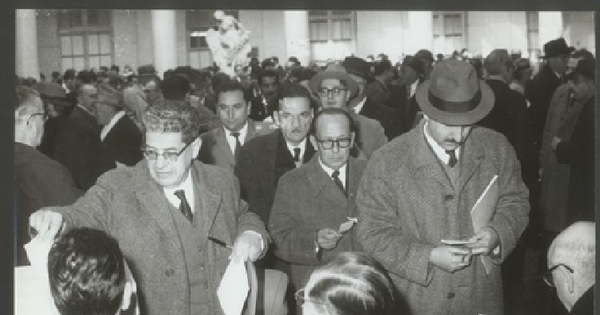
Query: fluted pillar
(164, 33)
(26, 44)
(297, 35)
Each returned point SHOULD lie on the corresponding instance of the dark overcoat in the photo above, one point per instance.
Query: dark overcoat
(123, 142)
(407, 204)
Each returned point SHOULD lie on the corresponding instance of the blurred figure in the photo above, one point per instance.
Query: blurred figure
(411, 75)
(572, 267)
(427, 58)
(377, 90)
(351, 284)
(521, 76)
(88, 274)
(263, 105)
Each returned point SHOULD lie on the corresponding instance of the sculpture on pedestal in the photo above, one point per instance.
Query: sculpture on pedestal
(229, 44)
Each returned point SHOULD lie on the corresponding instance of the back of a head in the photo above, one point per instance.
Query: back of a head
(576, 248)
(231, 85)
(382, 66)
(87, 273)
(352, 284)
(497, 62)
(175, 86)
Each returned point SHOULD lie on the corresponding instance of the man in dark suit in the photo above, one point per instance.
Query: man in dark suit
(39, 180)
(220, 145)
(540, 89)
(362, 104)
(263, 105)
(378, 89)
(78, 145)
(178, 221)
(121, 138)
(403, 99)
(313, 200)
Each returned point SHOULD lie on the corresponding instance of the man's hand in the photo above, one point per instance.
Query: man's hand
(555, 142)
(328, 238)
(450, 258)
(248, 246)
(46, 223)
(484, 241)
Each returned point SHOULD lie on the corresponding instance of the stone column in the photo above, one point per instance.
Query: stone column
(550, 27)
(420, 32)
(26, 44)
(297, 36)
(164, 34)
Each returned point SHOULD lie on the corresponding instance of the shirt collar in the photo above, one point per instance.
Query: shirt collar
(301, 146)
(356, 109)
(113, 121)
(187, 186)
(329, 171)
(85, 109)
(437, 149)
(231, 139)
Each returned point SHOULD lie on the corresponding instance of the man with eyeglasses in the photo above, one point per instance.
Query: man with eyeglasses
(572, 267)
(39, 180)
(178, 221)
(313, 201)
(335, 88)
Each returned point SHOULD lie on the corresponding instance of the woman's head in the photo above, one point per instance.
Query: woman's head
(351, 284)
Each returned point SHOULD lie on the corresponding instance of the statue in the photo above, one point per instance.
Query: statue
(229, 44)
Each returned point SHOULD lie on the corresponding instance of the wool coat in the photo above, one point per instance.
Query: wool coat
(215, 149)
(39, 182)
(388, 117)
(407, 204)
(130, 206)
(539, 92)
(123, 142)
(562, 115)
(307, 200)
(370, 135)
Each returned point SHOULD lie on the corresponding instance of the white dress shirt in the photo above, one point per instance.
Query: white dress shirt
(188, 187)
(437, 149)
(329, 171)
(301, 146)
(231, 139)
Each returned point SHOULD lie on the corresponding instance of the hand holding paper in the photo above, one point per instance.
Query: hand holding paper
(233, 289)
(484, 241)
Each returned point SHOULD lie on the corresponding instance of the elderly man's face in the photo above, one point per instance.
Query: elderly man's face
(448, 137)
(170, 172)
(295, 116)
(152, 91)
(333, 140)
(233, 110)
(583, 88)
(105, 112)
(88, 96)
(559, 64)
(332, 93)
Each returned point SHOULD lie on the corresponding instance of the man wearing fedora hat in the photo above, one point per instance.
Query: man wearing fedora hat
(335, 88)
(541, 88)
(121, 138)
(419, 190)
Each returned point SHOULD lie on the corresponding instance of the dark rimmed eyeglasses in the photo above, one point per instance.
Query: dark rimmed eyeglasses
(548, 274)
(43, 114)
(300, 299)
(336, 91)
(172, 156)
(328, 144)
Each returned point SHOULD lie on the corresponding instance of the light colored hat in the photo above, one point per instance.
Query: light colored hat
(454, 95)
(110, 96)
(334, 71)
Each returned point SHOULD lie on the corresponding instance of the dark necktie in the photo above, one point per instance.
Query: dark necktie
(236, 135)
(296, 154)
(335, 175)
(184, 206)
(453, 160)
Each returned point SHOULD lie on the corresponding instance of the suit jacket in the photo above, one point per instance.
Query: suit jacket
(389, 118)
(306, 201)
(123, 142)
(407, 204)
(378, 92)
(260, 164)
(539, 92)
(130, 206)
(370, 135)
(215, 148)
(79, 149)
(40, 182)
(259, 111)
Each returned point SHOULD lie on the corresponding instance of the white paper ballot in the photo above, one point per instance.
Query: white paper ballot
(233, 289)
(32, 289)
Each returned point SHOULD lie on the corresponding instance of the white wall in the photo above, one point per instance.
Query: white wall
(489, 30)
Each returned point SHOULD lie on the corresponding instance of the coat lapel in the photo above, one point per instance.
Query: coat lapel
(322, 184)
(206, 206)
(353, 175)
(473, 155)
(425, 159)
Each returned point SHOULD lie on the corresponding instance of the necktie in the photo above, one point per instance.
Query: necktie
(453, 160)
(337, 180)
(296, 154)
(184, 206)
(236, 135)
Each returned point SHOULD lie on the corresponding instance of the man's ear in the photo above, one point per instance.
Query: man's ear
(569, 280)
(352, 135)
(276, 117)
(313, 141)
(196, 147)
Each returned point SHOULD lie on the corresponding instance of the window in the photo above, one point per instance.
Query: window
(197, 23)
(448, 32)
(332, 34)
(86, 39)
(533, 34)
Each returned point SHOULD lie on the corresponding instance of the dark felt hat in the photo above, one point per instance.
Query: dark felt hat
(557, 47)
(146, 70)
(52, 93)
(585, 67)
(454, 95)
(414, 63)
(334, 71)
(357, 66)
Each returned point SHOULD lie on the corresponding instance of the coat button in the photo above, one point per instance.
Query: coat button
(450, 295)
(448, 197)
(169, 272)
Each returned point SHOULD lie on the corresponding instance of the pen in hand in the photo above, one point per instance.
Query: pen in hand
(219, 242)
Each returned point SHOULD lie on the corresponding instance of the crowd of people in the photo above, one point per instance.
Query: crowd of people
(444, 185)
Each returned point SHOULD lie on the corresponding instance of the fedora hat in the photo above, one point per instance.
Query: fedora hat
(52, 93)
(557, 47)
(334, 71)
(454, 95)
(357, 66)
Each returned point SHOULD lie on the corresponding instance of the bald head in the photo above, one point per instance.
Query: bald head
(574, 247)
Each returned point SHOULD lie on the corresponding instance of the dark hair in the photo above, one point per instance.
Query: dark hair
(382, 66)
(290, 89)
(332, 111)
(87, 273)
(353, 283)
(69, 74)
(86, 77)
(217, 80)
(175, 87)
(115, 68)
(267, 74)
(231, 85)
(173, 116)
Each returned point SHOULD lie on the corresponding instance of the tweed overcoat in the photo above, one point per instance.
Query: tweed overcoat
(370, 136)
(306, 201)
(406, 205)
(130, 206)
